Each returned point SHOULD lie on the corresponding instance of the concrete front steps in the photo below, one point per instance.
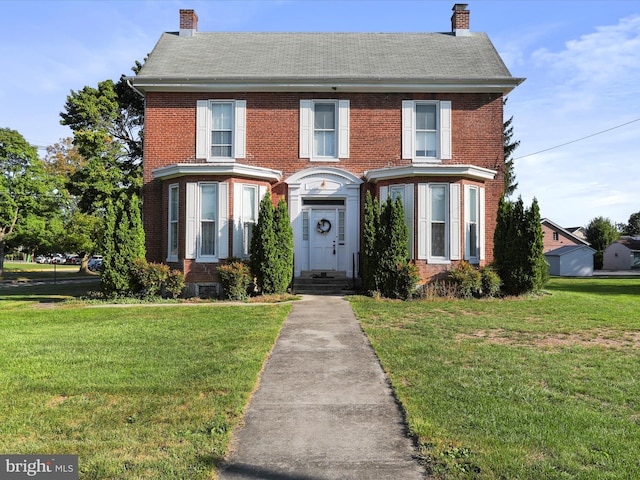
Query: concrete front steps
(325, 283)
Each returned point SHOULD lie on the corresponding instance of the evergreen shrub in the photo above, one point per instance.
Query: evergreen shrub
(236, 279)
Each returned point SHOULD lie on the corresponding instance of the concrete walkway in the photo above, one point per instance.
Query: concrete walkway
(324, 409)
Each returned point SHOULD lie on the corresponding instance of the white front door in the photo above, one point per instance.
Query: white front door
(323, 237)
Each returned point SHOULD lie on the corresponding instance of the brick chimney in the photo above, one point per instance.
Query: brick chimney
(188, 23)
(460, 20)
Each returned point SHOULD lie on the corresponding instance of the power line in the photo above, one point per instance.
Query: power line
(578, 140)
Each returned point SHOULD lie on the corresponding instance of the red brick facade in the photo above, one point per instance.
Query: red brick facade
(272, 141)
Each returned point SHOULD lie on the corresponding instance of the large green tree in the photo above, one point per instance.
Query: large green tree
(107, 124)
(633, 225)
(24, 188)
(600, 233)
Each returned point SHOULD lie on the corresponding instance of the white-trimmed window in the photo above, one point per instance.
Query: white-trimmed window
(172, 248)
(207, 229)
(246, 204)
(438, 222)
(473, 223)
(437, 226)
(207, 221)
(249, 215)
(426, 130)
(221, 130)
(324, 129)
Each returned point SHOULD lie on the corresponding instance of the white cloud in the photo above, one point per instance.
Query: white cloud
(589, 86)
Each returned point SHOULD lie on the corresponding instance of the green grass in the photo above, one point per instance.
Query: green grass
(531, 388)
(135, 392)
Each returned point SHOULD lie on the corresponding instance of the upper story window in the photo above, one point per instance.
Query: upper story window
(324, 129)
(221, 130)
(426, 130)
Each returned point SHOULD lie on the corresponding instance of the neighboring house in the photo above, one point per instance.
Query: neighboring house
(571, 261)
(554, 236)
(623, 254)
(319, 119)
(579, 232)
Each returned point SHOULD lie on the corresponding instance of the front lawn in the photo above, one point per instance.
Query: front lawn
(531, 388)
(135, 392)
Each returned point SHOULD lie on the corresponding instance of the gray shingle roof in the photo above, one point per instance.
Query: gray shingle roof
(347, 57)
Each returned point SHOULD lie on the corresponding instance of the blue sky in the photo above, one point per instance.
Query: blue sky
(581, 60)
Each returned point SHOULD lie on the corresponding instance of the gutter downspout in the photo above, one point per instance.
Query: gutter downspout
(134, 88)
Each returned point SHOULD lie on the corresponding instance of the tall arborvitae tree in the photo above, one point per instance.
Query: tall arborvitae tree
(264, 247)
(534, 235)
(123, 242)
(369, 234)
(284, 253)
(509, 146)
(518, 248)
(392, 240)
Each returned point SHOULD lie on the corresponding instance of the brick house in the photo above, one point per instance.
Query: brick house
(554, 236)
(318, 119)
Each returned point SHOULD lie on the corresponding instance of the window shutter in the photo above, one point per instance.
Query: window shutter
(481, 226)
(422, 221)
(237, 220)
(240, 134)
(384, 193)
(445, 130)
(343, 129)
(305, 128)
(454, 222)
(407, 201)
(408, 134)
(262, 191)
(223, 220)
(190, 246)
(202, 129)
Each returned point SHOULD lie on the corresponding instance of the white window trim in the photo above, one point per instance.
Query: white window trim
(172, 187)
(443, 129)
(307, 129)
(193, 234)
(480, 223)
(452, 223)
(238, 209)
(204, 122)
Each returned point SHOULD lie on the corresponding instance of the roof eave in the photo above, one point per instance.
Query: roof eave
(235, 169)
(162, 84)
(430, 170)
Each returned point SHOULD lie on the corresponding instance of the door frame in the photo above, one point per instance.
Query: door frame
(324, 183)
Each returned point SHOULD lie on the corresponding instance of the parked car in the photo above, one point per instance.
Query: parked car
(41, 259)
(73, 260)
(58, 259)
(95, 264)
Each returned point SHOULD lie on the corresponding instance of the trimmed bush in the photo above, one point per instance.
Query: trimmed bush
(174, 284)
(468, 280)
(236, 279)
(491, 282)
(154, 279)
(147, 279)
